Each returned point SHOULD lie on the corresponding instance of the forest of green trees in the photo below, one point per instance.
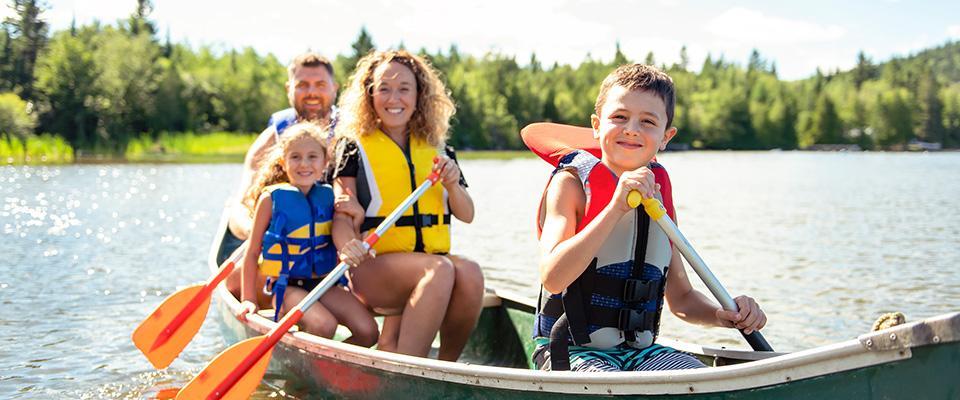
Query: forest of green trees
(99, 86)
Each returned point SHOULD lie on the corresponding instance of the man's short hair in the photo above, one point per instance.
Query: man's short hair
(309, 59)
(642, 78)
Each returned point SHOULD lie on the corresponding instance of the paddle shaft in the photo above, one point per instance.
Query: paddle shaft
(294, 316)
(655, 210)
(198, 299)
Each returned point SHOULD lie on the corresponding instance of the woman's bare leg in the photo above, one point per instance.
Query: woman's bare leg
(390, 333)
(419, 284)
(466, 302)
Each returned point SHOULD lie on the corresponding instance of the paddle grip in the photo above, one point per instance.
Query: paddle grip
(757, 341)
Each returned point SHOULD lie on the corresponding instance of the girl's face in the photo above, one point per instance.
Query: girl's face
(394, 96)
(304, 162)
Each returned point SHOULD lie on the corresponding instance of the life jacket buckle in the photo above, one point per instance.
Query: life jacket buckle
(635, 320)
(639, 290)
(427, 220)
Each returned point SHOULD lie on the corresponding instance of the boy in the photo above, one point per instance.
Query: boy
(608, 261)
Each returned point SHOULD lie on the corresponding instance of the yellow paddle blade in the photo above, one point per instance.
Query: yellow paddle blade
(203, 385)
(162, 348)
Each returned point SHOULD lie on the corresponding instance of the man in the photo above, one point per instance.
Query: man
(311, 91)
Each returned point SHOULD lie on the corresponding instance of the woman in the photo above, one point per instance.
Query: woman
(395, 117)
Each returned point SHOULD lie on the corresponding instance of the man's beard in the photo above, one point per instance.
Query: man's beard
(313, 116)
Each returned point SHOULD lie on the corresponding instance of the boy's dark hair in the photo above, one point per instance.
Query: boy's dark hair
(309, 59)
(643, 78)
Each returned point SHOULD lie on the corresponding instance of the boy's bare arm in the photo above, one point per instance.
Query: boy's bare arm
(685, 302)
(695, 307)
(565, 253)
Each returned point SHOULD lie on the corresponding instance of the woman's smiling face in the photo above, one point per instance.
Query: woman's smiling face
(394, 96)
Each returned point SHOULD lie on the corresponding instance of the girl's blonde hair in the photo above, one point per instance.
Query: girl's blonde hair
(271, 172)
(431, 119)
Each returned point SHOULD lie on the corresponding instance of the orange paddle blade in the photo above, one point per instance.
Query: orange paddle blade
(203, 385)
(160, 346)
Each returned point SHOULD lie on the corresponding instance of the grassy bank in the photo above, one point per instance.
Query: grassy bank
(189, 147)
(171, 148)
(40, 149)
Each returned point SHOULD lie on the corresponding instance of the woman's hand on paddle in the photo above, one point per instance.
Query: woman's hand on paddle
(448, 169)
(246, 307)
(355, 252)
(640, 180)
(750, 317)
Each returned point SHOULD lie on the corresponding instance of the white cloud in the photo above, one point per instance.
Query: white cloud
(953, 31)
(753, 27)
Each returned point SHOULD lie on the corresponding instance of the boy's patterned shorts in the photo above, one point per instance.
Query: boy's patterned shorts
(620, 358)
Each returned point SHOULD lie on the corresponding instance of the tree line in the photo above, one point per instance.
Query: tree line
(101, 85)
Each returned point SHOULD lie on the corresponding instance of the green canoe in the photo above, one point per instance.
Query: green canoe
(918, 360)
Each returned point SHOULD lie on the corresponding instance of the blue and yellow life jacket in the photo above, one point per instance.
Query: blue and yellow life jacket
(297, 244)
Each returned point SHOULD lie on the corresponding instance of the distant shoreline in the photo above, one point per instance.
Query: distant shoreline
(228, 147)
(238, 158)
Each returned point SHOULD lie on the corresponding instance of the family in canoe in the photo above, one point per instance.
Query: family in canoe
(320, 176)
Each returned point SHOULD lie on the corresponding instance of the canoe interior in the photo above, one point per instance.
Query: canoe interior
(503, 337)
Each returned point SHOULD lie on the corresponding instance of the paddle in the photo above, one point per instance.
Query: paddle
(655, 210)
(172, 325)
(237, 371)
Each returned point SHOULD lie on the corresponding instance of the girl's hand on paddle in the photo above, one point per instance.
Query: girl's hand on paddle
(750, 318)
(640, 180)
(355, 252)
(449, 171)
(246, 307)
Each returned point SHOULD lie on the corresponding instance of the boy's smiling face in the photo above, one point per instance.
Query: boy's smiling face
(631, 128)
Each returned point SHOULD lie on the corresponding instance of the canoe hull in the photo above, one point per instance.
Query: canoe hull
(496, 364)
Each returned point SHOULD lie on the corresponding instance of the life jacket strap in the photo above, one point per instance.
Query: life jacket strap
(629, 290)
(279, 288)
(559, 347)
(422, 220)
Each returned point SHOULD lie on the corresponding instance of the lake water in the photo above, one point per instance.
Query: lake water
(824, 241)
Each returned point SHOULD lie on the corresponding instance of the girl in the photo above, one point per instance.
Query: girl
(395, 117)
(291, 232)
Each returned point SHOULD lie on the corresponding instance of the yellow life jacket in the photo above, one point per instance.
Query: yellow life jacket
(388, 174)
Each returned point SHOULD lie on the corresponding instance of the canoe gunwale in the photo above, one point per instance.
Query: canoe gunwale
(778, 369)
(935, 330)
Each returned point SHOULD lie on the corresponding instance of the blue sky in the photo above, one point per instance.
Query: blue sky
(798, 36)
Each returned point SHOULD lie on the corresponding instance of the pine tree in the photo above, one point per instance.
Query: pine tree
(619, 58)
(930, 127)
(29, 35)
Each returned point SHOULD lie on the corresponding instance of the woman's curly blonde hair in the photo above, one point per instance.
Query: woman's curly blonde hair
(431, 119)
(271, 172)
